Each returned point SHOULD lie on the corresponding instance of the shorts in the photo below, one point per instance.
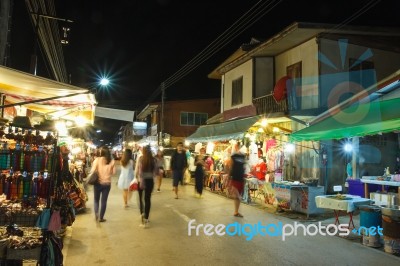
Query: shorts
(239, 185)
(176, 177)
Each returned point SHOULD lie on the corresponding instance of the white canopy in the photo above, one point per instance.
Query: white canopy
(20, 87)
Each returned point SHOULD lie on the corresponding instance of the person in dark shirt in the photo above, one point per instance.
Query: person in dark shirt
(178, 166)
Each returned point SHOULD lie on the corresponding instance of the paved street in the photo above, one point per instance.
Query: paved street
(120, 240)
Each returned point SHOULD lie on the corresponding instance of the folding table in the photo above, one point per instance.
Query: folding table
(348, 204)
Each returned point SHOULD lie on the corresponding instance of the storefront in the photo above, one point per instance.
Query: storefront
(269, 157)
(36, 184)
(367, 135)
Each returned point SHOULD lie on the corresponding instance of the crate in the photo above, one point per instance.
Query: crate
(24, 254)
(4, 219)
(3, 248)
(25, 219)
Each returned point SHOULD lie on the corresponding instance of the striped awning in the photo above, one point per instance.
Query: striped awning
(66, 101)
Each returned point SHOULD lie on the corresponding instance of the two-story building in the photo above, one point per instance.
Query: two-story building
(173, 121)
(298, 74)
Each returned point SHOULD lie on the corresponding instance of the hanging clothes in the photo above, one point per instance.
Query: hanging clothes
(260, 169)
(253, 154)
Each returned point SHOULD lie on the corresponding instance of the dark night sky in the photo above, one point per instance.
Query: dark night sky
(140, 44)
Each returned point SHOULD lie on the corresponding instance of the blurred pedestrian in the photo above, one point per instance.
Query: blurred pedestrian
(199, 175)
(146, 174)
(178, 167)
(105, 167)
(126, 175)
(160, 172)
(236, 167)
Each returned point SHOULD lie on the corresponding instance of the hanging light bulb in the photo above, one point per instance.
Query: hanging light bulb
(264, 122)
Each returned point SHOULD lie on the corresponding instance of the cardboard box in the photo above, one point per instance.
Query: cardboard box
(387, 199)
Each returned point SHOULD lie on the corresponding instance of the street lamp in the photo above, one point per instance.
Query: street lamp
(104, 81)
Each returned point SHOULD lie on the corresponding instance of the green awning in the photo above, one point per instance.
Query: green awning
(356, 120)
(223, 131)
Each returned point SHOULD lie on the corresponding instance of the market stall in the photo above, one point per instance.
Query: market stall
(365, 129)
(35, 182)
(269, 159)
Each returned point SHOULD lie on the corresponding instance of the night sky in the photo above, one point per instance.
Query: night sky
(140, 44)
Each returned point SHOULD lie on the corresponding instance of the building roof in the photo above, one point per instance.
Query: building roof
(292, 36)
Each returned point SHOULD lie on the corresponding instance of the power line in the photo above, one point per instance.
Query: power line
(354, 16)
(249, 18)
(238, 27)
(48, 34)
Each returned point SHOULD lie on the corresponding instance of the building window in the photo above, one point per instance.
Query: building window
(193, 119)
(294, 94)
(237, 91)
(358, 65)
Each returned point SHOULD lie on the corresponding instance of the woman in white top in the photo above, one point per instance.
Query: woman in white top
(126, 175)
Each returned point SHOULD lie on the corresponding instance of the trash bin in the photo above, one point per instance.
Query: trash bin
(370, 216)
(391, 229)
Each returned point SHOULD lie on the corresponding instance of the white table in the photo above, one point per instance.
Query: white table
(348, 205)
(379, 182)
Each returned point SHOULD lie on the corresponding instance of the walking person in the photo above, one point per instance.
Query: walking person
(178, 167)
(199, 175)
(146, 173)
(160, 172)
(126, 175)
(236, 169)
(105, 167)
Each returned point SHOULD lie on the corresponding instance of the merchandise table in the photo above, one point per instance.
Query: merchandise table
(348, 205)
(379, 182)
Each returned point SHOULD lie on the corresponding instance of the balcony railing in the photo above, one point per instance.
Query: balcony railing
(267, 104)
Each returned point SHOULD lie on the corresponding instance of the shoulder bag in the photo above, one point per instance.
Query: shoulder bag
(93, 178)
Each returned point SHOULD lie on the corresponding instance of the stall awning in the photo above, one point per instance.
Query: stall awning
(223, 131)
(356, 120)
(20, 87)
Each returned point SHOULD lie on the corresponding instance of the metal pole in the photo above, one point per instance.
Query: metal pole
(44, 100)
(2, 99)
(33, 66)
(162, 112)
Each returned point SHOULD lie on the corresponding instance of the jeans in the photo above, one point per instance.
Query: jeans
(148, 189)
(103, 191)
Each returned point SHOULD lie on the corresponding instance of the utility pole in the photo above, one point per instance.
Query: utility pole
(162, 114)
(33, 66)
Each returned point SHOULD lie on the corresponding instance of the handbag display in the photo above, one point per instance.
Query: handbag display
(93, 178)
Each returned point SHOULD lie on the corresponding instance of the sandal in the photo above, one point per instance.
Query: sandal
(238, 215)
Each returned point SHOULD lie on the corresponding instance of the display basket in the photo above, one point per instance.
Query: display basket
(4, 219)
(3, 248)
(24, 219)
(24, 254)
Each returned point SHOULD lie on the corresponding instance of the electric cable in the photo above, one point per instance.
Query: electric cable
(226, 35)
(354, 16)
(48, 35)
(217, 45)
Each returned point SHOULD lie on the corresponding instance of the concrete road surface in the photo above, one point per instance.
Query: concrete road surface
(120, 240)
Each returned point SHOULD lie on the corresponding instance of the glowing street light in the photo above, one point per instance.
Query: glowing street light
(104, 81)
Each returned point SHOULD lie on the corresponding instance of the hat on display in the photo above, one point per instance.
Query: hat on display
(21, 122)
(3, 121)
(46, 125)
